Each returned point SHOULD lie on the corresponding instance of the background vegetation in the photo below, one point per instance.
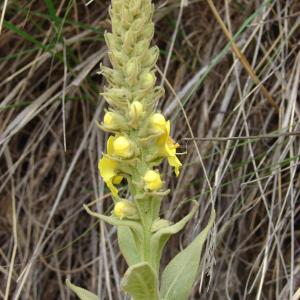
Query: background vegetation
(49, 145)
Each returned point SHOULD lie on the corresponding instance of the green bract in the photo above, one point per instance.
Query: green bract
(140, 141)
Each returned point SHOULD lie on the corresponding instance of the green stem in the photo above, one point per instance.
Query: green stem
(147, 223)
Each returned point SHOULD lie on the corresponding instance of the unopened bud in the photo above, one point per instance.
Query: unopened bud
(129, 40)
(122, 147)
(152, 180)
(117, 97)
(136, 110)
(148, 31)
(108, 119)
(140, 48)
(132, 71)
(117, 7)
(135, 7)
(158, 122)
(127, 17)
(112, 41)
(147, 80)
(150, 57)
(125, 209)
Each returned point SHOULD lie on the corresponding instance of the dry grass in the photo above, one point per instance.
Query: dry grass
(49, 145)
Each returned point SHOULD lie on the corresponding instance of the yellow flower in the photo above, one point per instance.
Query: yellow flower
(125, 209)
(167, 147)
(152, 180)
(109, 169)
(122, 147)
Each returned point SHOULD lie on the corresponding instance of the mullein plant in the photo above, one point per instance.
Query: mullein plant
(139, 142)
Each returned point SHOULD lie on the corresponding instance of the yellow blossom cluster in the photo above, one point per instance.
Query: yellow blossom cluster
(121, 151)
(140, 137)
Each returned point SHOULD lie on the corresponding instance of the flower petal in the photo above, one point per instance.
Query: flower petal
(107, 168)
(175, 162)
(117, 179)
(113, 189)
(110, 147)
(168, 127)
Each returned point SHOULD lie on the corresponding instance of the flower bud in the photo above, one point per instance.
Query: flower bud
(150, 57)
(113, 121)
(108, 119)
(136, 110)
(117, 7)
(158, 122)
(112, 41)
(116, 25)
(140, 48)
(129, 40)
(148, 31)
(122, 147)
(148, 11)
(137, 25)
(113, 76)
(117, 97)
(147, 80)
(132, 71)
(135, 7)
(117, 58)
(131, 67)
(127, 17)
(125, 209)
(152, 180)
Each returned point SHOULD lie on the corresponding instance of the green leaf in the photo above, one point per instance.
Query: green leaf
(135, 226)
(140, 281)
(159, 224)
(52, 12)
(160, 238)
(128, 245)
(83, 294)
(24, 34)
(180, 274)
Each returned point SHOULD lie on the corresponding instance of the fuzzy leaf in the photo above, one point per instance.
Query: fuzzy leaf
(160, 238)
(140, 281)
(83, 294)
(135, 226)
(128, 245)
(179, 275)
(159, 224)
